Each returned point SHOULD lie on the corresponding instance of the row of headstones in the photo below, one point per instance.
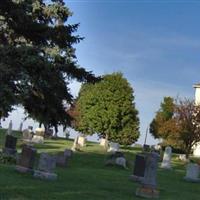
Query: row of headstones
(33, 137)
(80, 141)
(46, 164)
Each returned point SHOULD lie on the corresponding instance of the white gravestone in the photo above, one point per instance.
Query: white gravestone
(37, 139)
(103, 142)
(9, 131)
(75, 144)
(113, 147)
(166, 163)
(121, 161)
(81, 141)
(39, 131)
(192, 172)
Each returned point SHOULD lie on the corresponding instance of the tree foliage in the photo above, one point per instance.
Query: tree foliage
(107, 108)
(37, 59)
(182, 126)
(163, 122)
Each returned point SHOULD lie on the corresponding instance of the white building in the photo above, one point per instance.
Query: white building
(196, 148)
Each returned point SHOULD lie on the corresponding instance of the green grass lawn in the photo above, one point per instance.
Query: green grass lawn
(86, 178)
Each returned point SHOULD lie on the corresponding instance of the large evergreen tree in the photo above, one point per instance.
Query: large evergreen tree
(37, 59)
(107, 108)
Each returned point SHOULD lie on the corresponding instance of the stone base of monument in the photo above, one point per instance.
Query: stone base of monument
(9, 151)
(21, 169)
(197, 180)
(168, 167)
(45, 175)
(147, 192)
(37, 139)
(134, 178)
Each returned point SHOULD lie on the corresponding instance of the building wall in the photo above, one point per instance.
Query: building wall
(197, 96)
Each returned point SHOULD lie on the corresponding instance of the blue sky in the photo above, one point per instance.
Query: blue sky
(155, 44)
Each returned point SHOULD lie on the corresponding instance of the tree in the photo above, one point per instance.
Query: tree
(163, 122)
(181, 129)
(37, 59)
(107, 108)
(187, 116)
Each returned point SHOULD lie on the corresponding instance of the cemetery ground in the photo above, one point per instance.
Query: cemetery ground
(86, 177)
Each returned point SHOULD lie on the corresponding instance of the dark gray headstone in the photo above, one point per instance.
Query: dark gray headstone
(10, 145)
(148, 186)
(11, 142)
(139, 166)
(46, 166)
(27, 159)
(47, 162)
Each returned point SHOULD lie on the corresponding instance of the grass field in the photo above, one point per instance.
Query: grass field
(87, 178)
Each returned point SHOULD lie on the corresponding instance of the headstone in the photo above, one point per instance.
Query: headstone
(116, 158)
(166, 163)
(46, 166)
(139, 168)
(63, 158)
(20, 126)
(113, 147)
(68, 153)
(10, 145)
(27, 135)
(27, 159)
(148, 186)
(121, 161)
(37, 139)
(183, 158)
(104, 143)
(9, 131)
(75, 146)
(40, 132)
(81, 141)
(192, 172)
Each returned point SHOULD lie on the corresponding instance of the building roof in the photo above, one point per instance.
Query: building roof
(197, 85)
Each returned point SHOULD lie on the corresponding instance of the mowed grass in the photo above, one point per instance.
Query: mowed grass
(86, 178)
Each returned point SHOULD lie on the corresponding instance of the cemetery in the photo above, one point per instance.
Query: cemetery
(73, 118)
(84, 175)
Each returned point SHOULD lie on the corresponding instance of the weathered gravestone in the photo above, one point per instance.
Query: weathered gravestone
(104, 143)
(27, 159)
(113, 147)
(27, 135)
(183, 158)
(192, 172)
(116, 158)
(68, 153)
(139, 168)
(40, 131)
(81, 141)
(148, 186)
(63, 158)
(166, 163)
(46, 166)
(38, 138)
(76, 146)
(10, 145)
